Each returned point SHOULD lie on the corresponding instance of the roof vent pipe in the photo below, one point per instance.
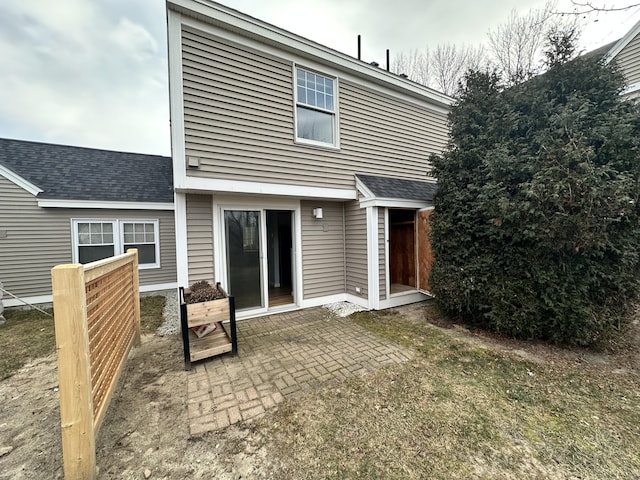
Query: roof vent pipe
(387, 59)
(359, 47)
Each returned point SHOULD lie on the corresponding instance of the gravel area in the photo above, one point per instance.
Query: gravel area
(171, 314)
(343, 309)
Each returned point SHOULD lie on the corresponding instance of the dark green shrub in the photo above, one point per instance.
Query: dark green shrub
(536, 227)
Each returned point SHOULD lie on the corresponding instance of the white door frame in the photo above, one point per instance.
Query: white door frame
(220, 205)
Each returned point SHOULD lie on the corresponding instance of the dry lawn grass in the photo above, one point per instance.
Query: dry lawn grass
(461, 409)
(29, 334)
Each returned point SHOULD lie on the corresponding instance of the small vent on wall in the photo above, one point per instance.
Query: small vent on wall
(193, 162)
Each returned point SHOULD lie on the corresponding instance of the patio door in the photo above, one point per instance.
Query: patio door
(244, 258)
(259, 258)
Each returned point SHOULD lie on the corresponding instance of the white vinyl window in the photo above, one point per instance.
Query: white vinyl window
(316, 121)
(98, 239)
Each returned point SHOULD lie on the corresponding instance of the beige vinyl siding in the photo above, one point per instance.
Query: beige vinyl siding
(629, 61)
(200, 238)
(33, 240)
(356, 248)
(238, 110)
(323, 268)
(382, 261)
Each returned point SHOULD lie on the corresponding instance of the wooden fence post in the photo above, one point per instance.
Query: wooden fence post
(74, 372)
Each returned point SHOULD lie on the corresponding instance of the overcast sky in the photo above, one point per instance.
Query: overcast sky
(94, 72)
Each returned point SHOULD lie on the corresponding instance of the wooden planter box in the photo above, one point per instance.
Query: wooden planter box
(223, 339)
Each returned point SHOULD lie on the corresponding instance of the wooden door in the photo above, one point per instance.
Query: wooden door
(425, 254)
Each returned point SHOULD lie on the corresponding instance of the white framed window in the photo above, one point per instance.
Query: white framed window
(316, 108)
(97, 239)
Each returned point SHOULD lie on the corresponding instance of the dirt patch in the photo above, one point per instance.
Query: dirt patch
(145, 428)
(476, 413)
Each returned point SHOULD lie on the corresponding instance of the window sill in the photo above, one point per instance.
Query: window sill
(148, 266)
(318, 145)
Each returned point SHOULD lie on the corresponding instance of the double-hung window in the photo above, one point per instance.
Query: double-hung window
(316, 121)
(98, 239)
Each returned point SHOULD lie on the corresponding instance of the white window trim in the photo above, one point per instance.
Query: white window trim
(335, 112)
(118, 237)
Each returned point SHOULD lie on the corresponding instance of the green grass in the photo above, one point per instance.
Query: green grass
(461, 410)
(29, 334)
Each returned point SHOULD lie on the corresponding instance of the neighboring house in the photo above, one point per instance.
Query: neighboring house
(299, 171)
(63, 204)
(626, 53)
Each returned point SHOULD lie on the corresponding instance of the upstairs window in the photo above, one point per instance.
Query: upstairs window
(315, 109)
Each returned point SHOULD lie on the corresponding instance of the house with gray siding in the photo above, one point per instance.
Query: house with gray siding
(626, 53)
(300, 173)
(64, 204)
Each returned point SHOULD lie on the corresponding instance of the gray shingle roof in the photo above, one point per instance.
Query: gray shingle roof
(77, 173)
(387, 187)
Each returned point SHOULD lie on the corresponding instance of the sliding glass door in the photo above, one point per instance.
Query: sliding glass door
(244, 258)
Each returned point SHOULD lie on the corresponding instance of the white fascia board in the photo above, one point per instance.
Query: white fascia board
(634, 87)
(623, 42)
(57, 203)
(233, 20)
(19, 181)
(195, 184)
(363, 188)
(393, 203)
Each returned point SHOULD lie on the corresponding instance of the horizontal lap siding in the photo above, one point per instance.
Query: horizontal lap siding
(356, 249)
(238, 110)
(200, 238)
(323, 269)
(37, 239)
(381, 256)
(629, 61)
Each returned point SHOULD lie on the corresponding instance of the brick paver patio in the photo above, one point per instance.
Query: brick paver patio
(278, 357)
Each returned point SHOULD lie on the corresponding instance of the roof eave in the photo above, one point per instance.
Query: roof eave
(238, 22)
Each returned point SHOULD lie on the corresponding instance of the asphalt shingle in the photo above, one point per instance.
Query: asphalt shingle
(388, 187)
(77, 173)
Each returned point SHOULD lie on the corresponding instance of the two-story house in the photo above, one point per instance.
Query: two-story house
(301, 174)
(626, 53)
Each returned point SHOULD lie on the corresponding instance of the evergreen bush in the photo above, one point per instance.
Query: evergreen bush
(536, 224)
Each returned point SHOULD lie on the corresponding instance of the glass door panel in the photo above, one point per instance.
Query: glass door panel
(242, 234)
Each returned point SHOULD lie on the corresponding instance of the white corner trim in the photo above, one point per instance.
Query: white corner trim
(182, 256)
(623, 42)
(393, 203)
(19, 181)
(57, 203)
(176, 98)
(239, 186)
(386, 254)
(361, 302)
(373, 290)
(403, 299)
